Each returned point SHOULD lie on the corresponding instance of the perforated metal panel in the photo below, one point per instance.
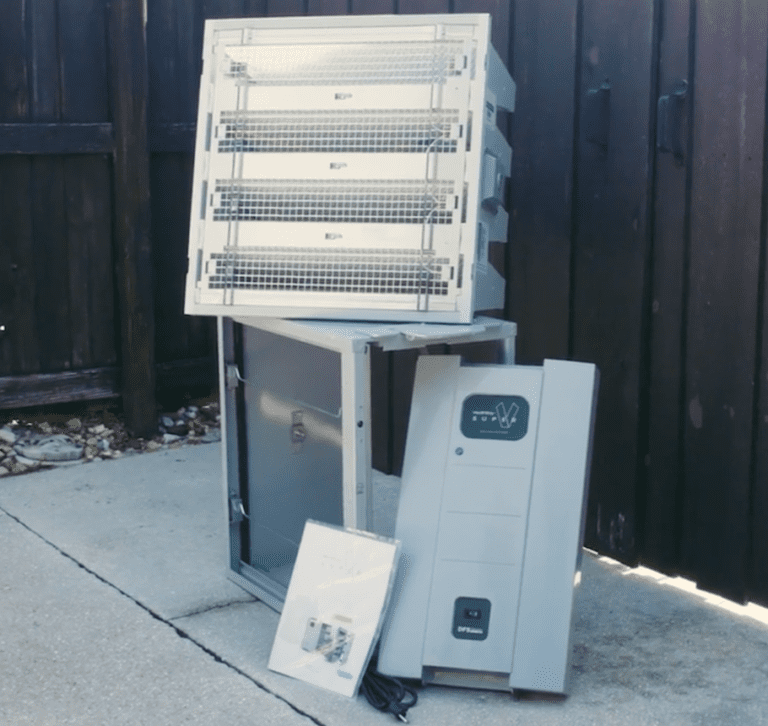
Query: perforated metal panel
(356, 200)
(364, 131)
(393, 272)
(349, 63)
(340, 168)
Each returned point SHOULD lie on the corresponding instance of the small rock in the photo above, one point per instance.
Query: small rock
(211, 437)
(192, 411)
(117, 454)
(98, 429)
(175, 444)
(179, 428)
(170, 438)
(166, 421)
(29, 463)
(17, 467)
(210, 411)
(50, 448)
(7, 435)
(102, 445)
(180, 413)
(4, 471)
(74, 424)
(5, 449)
(92, 441)
(46, 428)
(154, 446)
(90, 452)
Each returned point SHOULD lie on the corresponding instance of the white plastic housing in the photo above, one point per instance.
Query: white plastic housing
(349, 167)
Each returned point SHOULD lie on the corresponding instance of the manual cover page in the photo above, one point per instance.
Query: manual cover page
(336, 600)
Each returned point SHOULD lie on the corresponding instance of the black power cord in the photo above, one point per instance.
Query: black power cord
(386, 694)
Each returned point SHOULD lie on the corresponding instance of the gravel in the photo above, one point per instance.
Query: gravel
(27, 445)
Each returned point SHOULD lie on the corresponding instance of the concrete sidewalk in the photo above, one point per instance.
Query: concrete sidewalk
(115, 609)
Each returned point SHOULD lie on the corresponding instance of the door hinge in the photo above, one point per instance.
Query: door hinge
(233, 377)
(236, 510)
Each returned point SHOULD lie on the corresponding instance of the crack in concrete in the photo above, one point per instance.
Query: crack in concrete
(208, 609)
(181, 633)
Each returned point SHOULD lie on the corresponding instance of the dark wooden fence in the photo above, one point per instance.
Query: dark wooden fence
(637, 237)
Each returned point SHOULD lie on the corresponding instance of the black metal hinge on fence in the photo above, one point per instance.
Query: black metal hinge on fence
(670, 113)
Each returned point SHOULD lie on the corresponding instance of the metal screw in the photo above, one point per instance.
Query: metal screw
(459, 451)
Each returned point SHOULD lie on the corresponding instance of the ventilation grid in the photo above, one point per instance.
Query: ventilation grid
(347, 131)
(413, 62)
(368, 271)
(354, 200)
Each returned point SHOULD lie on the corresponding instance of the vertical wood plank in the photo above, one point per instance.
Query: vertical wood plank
(18, 284)
(327, 7)
(286, 7)
(501, 21)
(664, 484)
(128, 64)
(87, 184)
(231, 8)
(610, 257)
(18, 343)
(373, 7)
(423, 6)
(52, 304)
(174, 51)
(728, 149)
(178, 336)
(539, 256)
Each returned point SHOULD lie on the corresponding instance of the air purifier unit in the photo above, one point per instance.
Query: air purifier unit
(349, 167)
(491, 519)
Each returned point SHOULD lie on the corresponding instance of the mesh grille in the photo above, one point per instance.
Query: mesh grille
(376, 271)
(414, 62)
(357, 131)
(354, 200)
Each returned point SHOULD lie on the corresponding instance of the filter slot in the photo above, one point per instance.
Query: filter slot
(355, 200)
(346, 131)
(412, 62)
(382, 271)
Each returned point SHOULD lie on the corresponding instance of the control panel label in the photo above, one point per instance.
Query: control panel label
(495, 417)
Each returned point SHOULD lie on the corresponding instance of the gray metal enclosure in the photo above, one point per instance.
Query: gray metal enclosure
(290, 387)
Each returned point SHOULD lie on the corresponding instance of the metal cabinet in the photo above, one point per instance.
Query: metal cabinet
(296, 423)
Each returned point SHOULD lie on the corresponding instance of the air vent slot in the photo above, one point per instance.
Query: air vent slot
(345, 131)
(355, 200)
(366, 271)
(412, 62)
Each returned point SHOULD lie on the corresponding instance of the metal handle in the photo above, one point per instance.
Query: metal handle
(670, 111)
(597, 114)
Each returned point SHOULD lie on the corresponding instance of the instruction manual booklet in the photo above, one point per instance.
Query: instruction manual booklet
(335, 605)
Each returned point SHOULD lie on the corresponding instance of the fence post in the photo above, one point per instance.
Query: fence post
(133, 249)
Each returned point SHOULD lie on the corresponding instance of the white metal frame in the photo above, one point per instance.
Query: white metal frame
(474, 173)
